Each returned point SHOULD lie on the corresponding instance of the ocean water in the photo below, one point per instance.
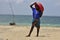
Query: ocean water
(27, 20)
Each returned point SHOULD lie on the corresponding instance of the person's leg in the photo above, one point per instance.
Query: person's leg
(33, 24)
(30, 31)
(38, 31)
(38, 27)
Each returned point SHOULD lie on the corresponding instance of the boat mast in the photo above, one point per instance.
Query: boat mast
(13, 22)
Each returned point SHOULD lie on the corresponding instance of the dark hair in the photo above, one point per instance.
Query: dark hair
(37, 7)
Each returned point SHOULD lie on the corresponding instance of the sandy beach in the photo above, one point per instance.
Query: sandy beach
(20, 32)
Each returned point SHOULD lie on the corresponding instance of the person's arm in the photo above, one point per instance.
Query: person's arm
(41, 14)
(32, 5)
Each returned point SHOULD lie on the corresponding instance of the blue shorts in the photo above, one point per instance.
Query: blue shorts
(38, 22)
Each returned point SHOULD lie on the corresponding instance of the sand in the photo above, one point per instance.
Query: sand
(8, 32)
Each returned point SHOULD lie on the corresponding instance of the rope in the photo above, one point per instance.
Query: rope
(10, 4)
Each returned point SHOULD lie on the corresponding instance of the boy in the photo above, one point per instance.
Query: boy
(36, 18)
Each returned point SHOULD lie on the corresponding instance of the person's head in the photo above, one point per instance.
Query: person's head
(37, 7)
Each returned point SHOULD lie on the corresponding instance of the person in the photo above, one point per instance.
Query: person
(36, 19)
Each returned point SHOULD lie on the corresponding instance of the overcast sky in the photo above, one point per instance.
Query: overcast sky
(21, 7)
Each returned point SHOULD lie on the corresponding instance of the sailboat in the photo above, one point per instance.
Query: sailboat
(13, 22)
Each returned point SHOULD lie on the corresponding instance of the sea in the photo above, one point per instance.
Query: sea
(26, 20)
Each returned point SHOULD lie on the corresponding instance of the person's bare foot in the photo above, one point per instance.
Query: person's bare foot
(28, 36)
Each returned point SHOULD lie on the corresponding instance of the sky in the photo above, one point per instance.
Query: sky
(22, 7)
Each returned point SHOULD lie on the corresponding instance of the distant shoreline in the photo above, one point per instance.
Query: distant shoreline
(29, 15)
